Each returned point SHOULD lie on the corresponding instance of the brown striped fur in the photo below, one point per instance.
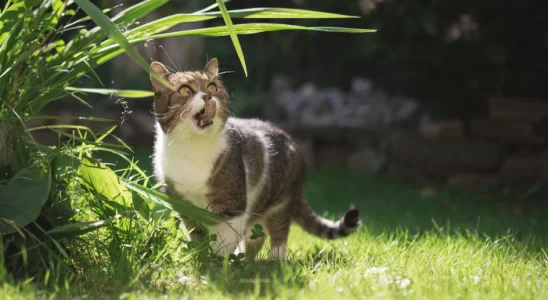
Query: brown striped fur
(257, 177)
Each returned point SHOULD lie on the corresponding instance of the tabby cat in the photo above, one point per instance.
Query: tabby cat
(246, 171)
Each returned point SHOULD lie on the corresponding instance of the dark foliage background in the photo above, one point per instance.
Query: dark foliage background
(503, 53)
(410, 53)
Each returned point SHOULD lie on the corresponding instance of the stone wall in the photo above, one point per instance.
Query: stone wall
(357, 130)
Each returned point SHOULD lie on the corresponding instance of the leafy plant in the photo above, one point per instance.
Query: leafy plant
(45, 48)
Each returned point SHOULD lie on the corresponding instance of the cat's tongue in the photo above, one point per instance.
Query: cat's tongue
(205, 117)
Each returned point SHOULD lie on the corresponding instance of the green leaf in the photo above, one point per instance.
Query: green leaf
(251, 28)
(24, 196)
(59, 46)
(119, 93)
(32, 3)
(232, 34)
(111, 51)
(181, 207)
(141, 206)
(165, 23)
(212, 6)
(137, 11)
(278, 13)
(104, 181)
(114, 33)
(96, 119)
(76, 229)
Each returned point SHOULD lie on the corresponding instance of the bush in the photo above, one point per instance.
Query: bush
(61, 209)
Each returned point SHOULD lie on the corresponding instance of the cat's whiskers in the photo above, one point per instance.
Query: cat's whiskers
(171, 69)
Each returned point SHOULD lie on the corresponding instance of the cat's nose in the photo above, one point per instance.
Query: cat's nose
(206, 97)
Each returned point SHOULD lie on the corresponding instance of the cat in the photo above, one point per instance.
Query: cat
(246, 171)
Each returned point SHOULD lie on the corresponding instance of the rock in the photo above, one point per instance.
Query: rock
(472, 180)
(448, 129)
(361, 86)
(524, 170)
(446, 156)
(310, 105)
(403, 107)
(517, 108)
(514, 131)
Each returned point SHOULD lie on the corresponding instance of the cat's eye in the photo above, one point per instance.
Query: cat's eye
(185, 91)
(212, 88)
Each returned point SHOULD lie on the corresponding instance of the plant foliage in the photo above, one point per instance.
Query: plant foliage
(45, 48)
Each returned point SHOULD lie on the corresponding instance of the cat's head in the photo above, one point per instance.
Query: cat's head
(195, 103)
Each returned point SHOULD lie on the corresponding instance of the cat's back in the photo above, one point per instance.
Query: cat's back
(256, 130)
(263, 141)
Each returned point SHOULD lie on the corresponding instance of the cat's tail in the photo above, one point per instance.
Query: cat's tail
(307, 218)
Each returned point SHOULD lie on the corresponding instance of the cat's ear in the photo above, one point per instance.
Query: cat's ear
(161, 71)
(212, 67)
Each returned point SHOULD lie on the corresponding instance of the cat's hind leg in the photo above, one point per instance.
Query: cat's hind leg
(277, 226)
(253, 244)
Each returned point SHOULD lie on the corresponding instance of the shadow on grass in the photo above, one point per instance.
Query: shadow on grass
(260, 278)
(388, 205)
(266, 277)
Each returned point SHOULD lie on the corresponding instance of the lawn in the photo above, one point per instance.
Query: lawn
(446, 245)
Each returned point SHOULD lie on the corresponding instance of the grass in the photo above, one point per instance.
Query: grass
(444, 246)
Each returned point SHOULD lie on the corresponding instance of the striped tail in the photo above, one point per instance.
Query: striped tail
(324, 228)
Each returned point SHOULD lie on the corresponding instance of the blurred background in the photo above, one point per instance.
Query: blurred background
(449, 92)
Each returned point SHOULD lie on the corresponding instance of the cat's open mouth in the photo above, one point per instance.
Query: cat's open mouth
(201, 119)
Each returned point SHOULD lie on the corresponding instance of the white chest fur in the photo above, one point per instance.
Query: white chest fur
(188, 163)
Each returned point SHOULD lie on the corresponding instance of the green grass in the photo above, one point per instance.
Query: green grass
(411, 246)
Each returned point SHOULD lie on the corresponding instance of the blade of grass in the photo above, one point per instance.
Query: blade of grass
(278, 13)
(165, 23)
(79, 228)
(183, 208)
(96, 119)
(232, 34)
(114, 33)
(212, 6)
(137, 11)
(115, 92)
(106, 53)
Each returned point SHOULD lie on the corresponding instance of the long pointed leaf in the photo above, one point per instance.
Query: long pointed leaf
(165, 23)
(115, 92)
(232, 33)
(95, 119)
(278, 13)
(114, 33)
(79, 228)
(138, 10)
(212, 6)
(183, 208)
(111, 51)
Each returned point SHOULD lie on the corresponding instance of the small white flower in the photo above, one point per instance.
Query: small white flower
(404, 283)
